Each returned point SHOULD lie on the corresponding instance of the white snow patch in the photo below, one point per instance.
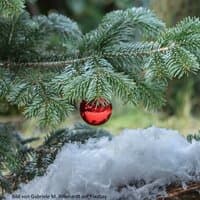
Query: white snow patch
(148, 158)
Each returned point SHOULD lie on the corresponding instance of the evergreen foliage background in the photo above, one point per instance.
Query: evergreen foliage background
(48, 64)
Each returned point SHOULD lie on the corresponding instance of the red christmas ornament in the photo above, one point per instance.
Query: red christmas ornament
(96, 112)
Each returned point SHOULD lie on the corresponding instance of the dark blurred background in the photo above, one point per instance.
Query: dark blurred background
(182, 110)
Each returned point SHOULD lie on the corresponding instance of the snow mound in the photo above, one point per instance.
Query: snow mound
(135, 165)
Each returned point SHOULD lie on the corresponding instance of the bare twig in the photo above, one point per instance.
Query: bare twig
(178, 191)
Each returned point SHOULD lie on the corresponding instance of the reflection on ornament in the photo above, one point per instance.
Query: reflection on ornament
(96, 112)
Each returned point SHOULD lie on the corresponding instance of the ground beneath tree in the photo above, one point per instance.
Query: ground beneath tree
(138, 164)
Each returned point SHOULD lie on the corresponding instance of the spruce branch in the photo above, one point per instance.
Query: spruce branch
(131, 54)
(49, 64)
(34, 162)
(136, 49)
(65, 63)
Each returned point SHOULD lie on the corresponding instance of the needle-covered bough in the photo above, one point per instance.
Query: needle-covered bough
(47, 65)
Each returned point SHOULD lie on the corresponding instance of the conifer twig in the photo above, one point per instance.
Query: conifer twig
(44, 64)
(163, 49)
(64, 63)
